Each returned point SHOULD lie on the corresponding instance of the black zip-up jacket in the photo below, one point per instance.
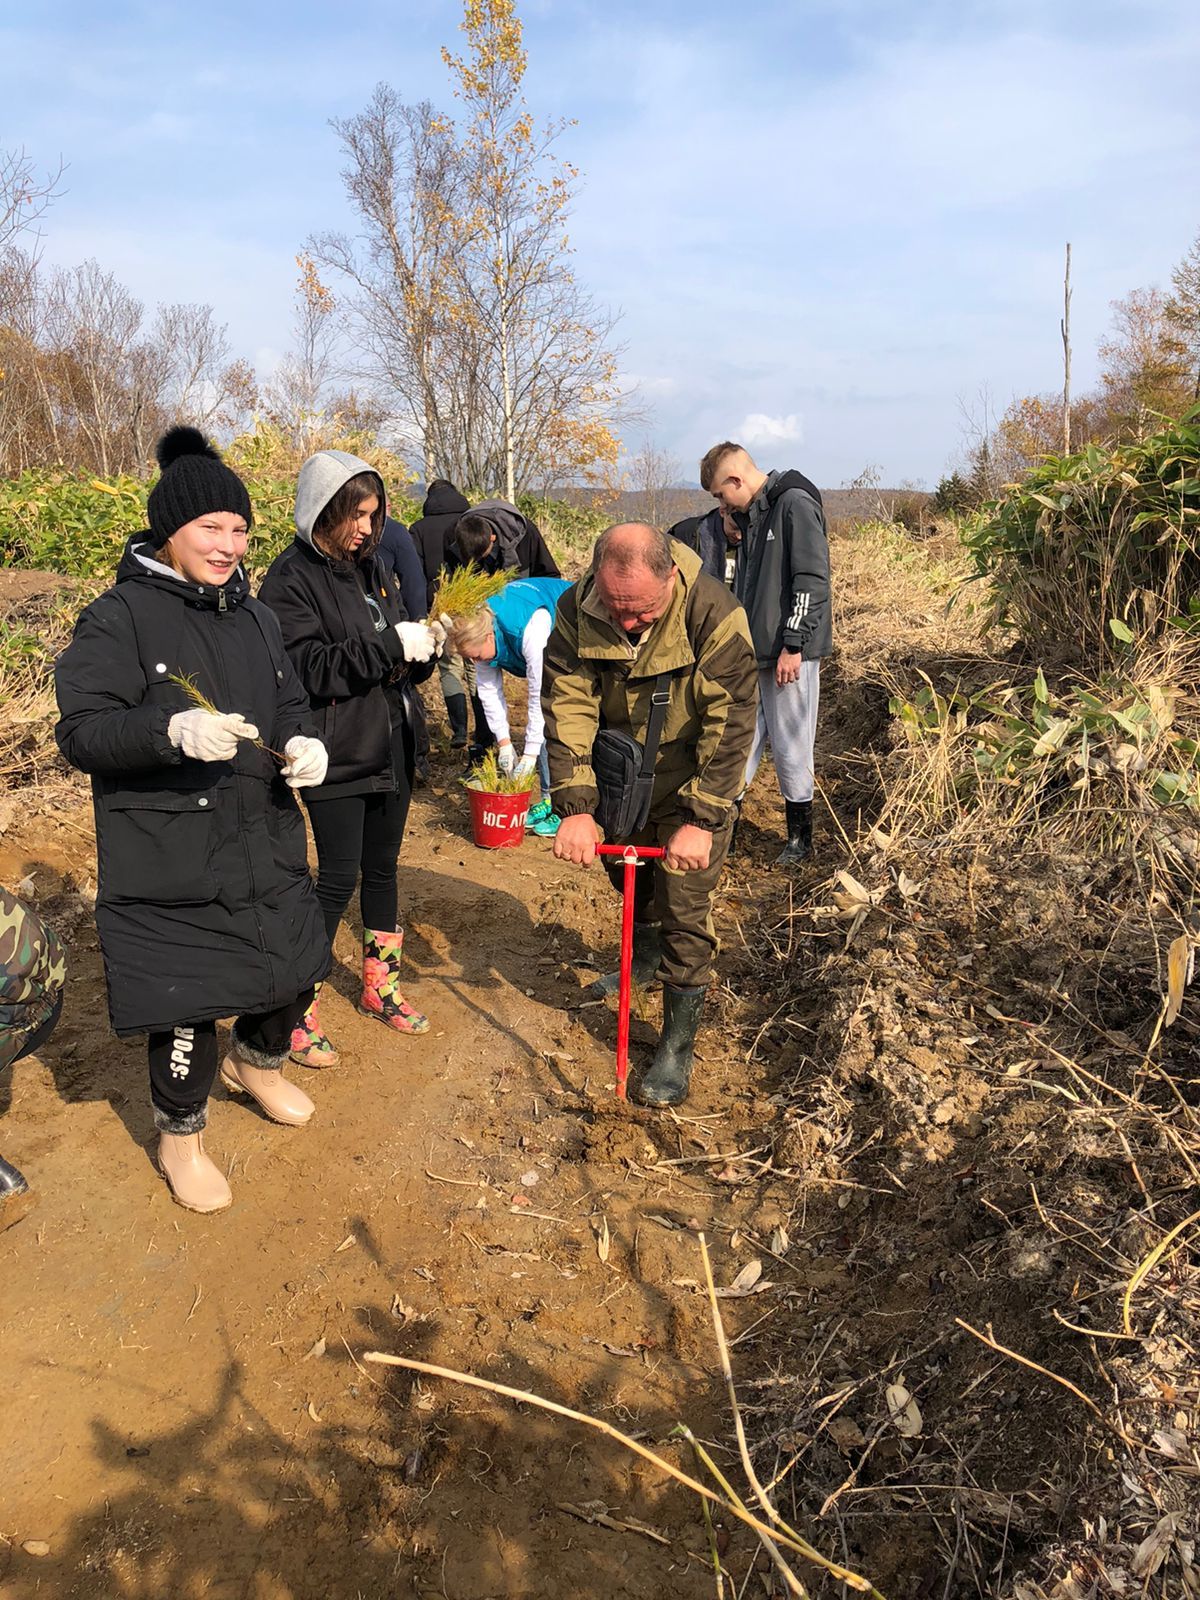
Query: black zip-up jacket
(706, 537)
(204, 907)
(434, 529)
(338, 622)
(782, 573)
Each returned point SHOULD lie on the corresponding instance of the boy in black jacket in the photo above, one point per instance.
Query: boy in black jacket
(500, 538)
(433, 535)
(782, 579)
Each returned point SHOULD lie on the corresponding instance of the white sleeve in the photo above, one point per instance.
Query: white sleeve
(533, 647)
(489, 681)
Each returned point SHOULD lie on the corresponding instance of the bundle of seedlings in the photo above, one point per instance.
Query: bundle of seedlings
(465, 590)
(488, 778)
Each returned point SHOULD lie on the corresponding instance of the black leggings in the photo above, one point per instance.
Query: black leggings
(362, 833)
(183, 1061)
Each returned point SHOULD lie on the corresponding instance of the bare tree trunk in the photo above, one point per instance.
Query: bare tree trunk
(510, 488)
(1065, 326)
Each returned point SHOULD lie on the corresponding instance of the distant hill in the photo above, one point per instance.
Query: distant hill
(662, 507)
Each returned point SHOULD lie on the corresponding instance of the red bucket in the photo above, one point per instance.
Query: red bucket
(498, 820)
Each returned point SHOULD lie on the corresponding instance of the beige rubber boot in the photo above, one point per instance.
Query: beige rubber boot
(195, 1181)
(282, 1101)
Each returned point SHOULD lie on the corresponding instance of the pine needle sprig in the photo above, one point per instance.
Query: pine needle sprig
(466, 590)
(186, 682)
(488, 778)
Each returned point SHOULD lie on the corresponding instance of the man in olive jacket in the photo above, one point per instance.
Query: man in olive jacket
(647, 608)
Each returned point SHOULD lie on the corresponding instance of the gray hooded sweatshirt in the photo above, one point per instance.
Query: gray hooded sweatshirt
(510, 525)
(320, 478)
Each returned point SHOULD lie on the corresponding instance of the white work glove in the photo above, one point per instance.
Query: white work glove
(439, 631)
(417, 640)
(307, 764)
(525, 766)
(207, 735)
(506, 758)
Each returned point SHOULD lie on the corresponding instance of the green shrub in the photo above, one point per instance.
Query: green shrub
(954, 495)
(1096, 551)
(78, 525)
(570, 531)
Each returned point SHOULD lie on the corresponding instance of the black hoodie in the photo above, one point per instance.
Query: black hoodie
(782, 575)
(339, 623)
(204, 907)
(434, 529)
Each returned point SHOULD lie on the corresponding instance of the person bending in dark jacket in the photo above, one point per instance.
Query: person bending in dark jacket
(432, 533)
(33, 971)
(354, 650)
(499, 538)
(781, 576)
(204, 908)
(399, 559)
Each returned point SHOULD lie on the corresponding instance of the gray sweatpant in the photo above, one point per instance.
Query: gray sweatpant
(787, 716)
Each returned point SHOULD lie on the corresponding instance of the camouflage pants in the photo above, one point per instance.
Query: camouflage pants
(680, 902)
(33, 971)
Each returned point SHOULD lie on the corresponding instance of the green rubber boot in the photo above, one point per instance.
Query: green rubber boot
(647, 953)
(666, 1083)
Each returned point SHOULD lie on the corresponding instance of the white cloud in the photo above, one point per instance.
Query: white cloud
(763, 431)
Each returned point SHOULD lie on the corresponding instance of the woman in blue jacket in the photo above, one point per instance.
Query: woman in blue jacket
(510, 635)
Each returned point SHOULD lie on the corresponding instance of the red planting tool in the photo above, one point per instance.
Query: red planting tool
(633, 855)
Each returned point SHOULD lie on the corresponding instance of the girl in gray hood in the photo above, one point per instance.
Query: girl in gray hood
(359, 656)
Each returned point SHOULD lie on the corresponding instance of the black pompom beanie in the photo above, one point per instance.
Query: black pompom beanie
(194, 481)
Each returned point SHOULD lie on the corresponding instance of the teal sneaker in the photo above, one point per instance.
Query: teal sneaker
(543, 821)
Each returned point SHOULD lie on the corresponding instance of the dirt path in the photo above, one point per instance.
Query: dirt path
(184, 1414)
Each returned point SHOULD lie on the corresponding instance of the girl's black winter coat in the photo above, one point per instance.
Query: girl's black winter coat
(338, 620)
(205, 907)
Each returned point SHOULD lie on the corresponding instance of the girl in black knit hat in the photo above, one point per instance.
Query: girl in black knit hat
(205, 907)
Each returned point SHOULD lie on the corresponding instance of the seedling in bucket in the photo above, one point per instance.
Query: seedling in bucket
(632, 855)
(499, 804)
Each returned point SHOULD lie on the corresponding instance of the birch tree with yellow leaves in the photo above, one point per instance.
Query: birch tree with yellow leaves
(465, 302)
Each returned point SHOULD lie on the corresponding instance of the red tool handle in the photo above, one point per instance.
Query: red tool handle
(633, 855)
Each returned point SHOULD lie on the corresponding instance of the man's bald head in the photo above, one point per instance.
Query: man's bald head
(634, 544)
(635, 574)
(729, 474)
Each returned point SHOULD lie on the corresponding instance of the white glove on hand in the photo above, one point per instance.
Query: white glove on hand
(525, 766)
(205, 736)
(308, 762)
(506, 758)
(417, 640)
(439, 631)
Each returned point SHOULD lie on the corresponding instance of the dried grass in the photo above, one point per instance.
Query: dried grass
(982, 1114)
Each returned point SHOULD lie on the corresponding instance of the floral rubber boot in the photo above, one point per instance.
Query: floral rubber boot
(310, 1047)
(381, 995)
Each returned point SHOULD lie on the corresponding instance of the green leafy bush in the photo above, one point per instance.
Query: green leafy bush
(78, 525)
(1096, 551)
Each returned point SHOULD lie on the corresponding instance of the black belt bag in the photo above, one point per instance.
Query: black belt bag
(625, 769)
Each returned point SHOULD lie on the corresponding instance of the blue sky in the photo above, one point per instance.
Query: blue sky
(823, 222)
